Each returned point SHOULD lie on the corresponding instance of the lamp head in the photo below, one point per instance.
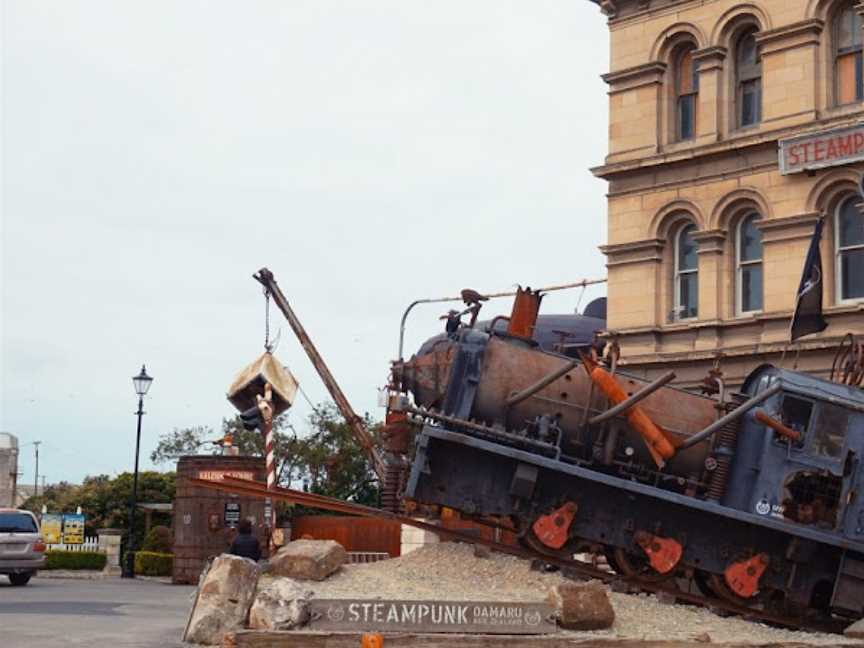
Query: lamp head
(142, 382)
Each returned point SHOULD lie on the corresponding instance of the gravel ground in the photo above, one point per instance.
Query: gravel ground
(450, 571)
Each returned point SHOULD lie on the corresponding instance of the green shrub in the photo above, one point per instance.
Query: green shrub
(152, 563)
(74, 560)
(159, 539)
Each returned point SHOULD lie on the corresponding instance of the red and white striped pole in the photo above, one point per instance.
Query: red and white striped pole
(265, 406)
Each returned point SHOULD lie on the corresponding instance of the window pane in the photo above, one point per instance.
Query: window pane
(852, 274)
(859, 76)
(848, 28)
(687, 249)
(685, 73)
(830, 430)
(851, 224)
(688, 287)
(750, 245)
(847, 86)
(750, 107)
(686, 114)
(747, 50)
(751, 287)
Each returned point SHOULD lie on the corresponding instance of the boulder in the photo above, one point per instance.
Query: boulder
(582, 606)
(224, 595)
(282, 604)
(308, 559)
(856, 630)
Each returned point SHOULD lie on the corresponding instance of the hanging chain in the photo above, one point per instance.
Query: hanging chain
(267, 346)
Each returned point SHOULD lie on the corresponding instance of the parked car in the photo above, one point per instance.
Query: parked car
(22, 550)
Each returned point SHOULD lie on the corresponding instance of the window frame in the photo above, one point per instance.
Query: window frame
(741, 263)
(679, 95)
(677, 272)
(839, 52)
(839, 250)
(748, 74)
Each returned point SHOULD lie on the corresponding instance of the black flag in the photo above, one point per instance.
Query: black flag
(808, 304)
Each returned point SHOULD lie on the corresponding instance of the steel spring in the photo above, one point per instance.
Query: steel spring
(724, 452)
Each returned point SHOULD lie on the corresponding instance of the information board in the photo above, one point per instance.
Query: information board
(73, 528)
(232, 513)
(52, 528)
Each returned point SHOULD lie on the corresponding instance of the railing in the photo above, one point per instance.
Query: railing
(355, 557)
(89, 544)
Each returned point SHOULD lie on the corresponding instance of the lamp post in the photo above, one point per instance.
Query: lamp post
(142, 383)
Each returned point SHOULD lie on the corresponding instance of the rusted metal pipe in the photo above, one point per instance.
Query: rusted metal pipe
(624, 405)
(737, 413)
(546, 380)
(509, 293)
(778, 426)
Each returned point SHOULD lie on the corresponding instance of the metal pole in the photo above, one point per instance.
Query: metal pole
(548, 379)
(130, 554)
(36, 476)
(737, 413)
(627, 403)
(510, 293)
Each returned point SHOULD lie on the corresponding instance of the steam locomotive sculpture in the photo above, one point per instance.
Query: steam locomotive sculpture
(757, 496)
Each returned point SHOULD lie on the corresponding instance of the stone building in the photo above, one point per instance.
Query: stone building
(734, 126)
(8, 470)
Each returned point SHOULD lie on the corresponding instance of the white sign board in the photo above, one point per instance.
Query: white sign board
(820, 150)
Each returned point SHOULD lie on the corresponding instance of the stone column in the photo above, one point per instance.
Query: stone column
(109, 544)
(713, 99)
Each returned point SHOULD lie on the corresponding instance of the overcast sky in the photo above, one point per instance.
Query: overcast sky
(369, 152)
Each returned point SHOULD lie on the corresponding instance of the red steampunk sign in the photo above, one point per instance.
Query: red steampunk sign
(819, 150)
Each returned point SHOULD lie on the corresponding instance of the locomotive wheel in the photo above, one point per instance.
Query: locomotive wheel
(635, 566)
(703, 583)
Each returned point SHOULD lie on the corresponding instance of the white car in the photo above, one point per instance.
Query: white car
(22, 550)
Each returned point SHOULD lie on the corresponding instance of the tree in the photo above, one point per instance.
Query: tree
(105, 501)
(326, 460)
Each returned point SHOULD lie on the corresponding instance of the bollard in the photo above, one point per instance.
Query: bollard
(372, 640)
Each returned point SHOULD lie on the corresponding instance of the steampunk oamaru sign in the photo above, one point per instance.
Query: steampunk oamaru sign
(481, 617)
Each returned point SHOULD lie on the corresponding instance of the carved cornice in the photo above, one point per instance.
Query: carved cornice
(804, 32)
(635, 77)
(644, 251)
(710, 58)
(788, 228)
(710, 241)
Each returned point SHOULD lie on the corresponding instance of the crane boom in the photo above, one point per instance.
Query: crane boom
(355, 423)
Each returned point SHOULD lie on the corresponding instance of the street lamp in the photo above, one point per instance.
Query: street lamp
(142, 383)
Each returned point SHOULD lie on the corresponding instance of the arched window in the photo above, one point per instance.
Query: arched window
(686, 92)
(748, 261)
(686, 274)
(748, 80)
(849, 244)
(848, 72)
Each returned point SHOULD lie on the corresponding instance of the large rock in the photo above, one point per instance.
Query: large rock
(856, 630)
(224, 596)
(582, 606)
(308, 559)
(282, 604)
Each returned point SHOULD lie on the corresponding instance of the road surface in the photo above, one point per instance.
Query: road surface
(114, 613)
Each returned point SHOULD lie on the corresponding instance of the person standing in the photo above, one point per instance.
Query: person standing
(245, 544)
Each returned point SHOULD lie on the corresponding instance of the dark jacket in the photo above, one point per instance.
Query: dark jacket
(247, 546)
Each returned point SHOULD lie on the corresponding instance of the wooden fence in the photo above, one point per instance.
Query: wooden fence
(362, 535)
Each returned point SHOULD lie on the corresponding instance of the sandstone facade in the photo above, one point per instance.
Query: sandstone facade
(724, 173)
